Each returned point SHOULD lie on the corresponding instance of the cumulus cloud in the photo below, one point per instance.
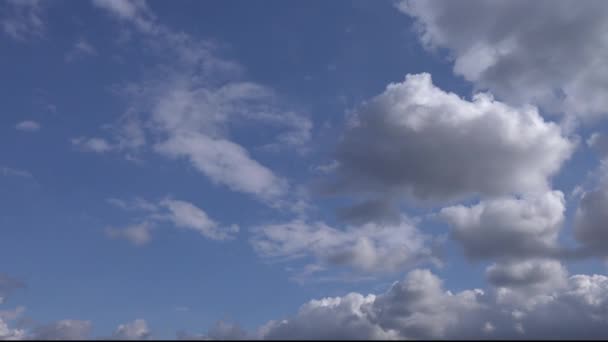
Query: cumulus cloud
(554, 57)
(9, 334)
(419, 307)
(417, 140)
(508, 227)
(136, 330)
(180, 214)
(366, 248)
(28, 126)
(525, 283)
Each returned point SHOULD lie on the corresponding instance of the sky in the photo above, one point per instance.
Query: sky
(303, 169)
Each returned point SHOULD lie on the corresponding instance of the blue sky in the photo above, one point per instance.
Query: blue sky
(178, 164)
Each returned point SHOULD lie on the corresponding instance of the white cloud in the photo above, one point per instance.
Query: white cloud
(136, 330)
(191, 100)
(370, 248)
(226, 163)
(508, 227)
(554, 57)
(9, 334)
(420, 308)
(418, 140)
(28, 126)
(180, 214)
(525, 283)
(186, 215)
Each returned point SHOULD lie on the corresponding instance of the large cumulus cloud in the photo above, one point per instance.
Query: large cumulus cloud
(419, 307)
(415, 139)
(509, 227)
(550, 53)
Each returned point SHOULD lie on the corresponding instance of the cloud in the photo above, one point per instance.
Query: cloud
(8, 334)
(28, 126)
(419, 307)
(186, 215)
(220, 330)
(417, 140)
(526, 283)
(368, 248)
(98, 145)
(189, 102)
(226, 163)
(555, 56)
(67, 329)
(543, 273)
(80, 49)
(136, 330)
(138, 234)
(22, 19)
(508, 227)
(180, 214)
(377, 210)
(10, 172)
(137, 204)
(590, 220)
(135, 11)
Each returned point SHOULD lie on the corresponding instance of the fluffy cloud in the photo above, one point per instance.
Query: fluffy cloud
(9, 334)
(28, 126)
(181, 214)
(420, 308)
(508, 227)
(525, 283)
(366, 248)
(554, 57)
(418, 140)
(136, 330)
